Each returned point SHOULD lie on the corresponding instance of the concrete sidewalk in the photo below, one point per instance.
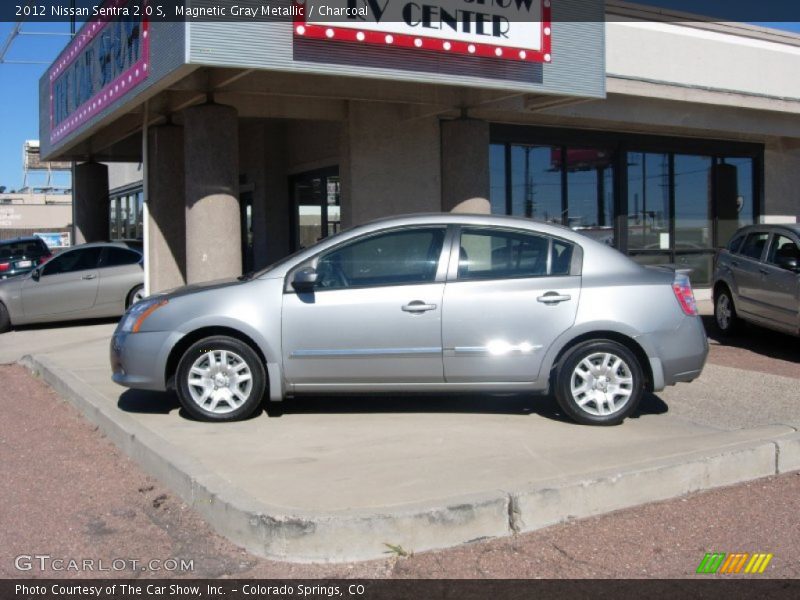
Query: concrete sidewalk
(337, 478)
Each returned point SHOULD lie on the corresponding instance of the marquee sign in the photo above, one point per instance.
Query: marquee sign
(107, 59)
(500, 29)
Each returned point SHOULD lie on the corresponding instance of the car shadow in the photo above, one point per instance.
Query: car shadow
(147, 402)
(759, 340)
(474, 403)
(163, 403)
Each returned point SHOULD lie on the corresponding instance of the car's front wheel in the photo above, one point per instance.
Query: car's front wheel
(599, 382)
(725, 313)
(220, 378)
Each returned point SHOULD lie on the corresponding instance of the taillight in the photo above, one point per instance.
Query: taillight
(45, 258)
(683, 292)
(5, 266)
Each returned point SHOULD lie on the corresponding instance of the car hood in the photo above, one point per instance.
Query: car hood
(204, 286)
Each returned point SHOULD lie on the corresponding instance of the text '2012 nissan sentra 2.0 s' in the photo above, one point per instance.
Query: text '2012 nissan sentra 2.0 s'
(423, 303)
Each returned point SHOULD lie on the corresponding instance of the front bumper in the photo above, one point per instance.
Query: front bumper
(138, 360)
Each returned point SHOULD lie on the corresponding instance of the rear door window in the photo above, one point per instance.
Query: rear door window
(753, 246)
(498, 254)
(117, 257)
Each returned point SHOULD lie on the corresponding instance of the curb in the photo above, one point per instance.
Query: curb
(302, 536)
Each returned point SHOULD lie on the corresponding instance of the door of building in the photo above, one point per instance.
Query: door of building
(315, 206)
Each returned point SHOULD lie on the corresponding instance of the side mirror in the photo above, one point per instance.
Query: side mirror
(305, 279)
(787, 262)
(35, 274)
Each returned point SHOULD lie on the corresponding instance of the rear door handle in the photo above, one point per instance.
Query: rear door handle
(89, 277)
(553, 298)
(764, 271)
(418, 306)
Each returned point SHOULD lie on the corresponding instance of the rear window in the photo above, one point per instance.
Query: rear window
(26, 248)
(735, 243)
(753, 246)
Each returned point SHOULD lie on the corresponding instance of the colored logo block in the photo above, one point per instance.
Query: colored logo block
(722, 563)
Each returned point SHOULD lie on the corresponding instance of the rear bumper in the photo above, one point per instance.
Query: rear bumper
(678, 355)
(139, 360)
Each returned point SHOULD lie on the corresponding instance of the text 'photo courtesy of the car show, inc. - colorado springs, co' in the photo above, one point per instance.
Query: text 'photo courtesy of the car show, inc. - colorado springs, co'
(399, 299)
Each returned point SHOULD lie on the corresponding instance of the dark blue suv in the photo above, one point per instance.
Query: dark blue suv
(20, 255)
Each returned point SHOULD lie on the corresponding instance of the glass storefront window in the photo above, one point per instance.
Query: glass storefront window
(590, 192)
(536, 182)
(700, 265)
(693, 194)
(679, 205)
(497, 178)
(648, 201)
(126, 216)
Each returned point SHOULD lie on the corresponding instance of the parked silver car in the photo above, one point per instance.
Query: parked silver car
(757, 279)
(423, 303)
(85, 282)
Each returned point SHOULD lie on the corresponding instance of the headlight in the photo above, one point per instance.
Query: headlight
(133, 319)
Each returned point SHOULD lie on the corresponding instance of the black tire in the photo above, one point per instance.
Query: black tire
(725, 319)
(595, 351)
(212, 348)
(5, 320)
(131, 294)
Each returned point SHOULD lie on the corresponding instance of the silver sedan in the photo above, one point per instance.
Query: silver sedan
(85, 282)
(423, 303)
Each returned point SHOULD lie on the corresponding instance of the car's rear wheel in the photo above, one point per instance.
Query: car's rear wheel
(5, 319)
(220, 378)
(134, 296)
(725, 313)
(599, 382)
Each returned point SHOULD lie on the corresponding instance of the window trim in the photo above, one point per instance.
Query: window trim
(575, 268)
(313, 261)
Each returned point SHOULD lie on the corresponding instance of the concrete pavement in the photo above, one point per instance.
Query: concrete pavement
(336, 478)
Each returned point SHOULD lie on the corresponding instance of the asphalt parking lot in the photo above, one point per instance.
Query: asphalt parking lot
(345, 455)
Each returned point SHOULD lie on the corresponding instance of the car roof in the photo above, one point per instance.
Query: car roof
(793, 227)
(27, 238)
(474, 219)
(135, 245)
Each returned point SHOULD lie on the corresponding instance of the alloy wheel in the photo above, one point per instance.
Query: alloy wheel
(601, 384)
(220, 381)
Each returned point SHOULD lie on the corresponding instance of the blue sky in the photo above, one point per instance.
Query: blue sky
(19, 101)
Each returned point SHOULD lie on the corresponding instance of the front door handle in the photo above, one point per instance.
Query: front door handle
(89, 277)
(764, 271)
(553, 298)
(418, 306)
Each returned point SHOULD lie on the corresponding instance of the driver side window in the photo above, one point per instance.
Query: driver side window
(74, 260)
(402, 257)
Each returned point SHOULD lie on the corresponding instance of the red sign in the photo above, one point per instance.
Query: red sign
(501, 29)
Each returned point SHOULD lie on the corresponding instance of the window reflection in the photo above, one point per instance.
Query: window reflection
(648, 201)
(590, 192)
(693, 188)
(536, 182)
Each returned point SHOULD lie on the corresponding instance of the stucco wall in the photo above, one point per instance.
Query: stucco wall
(782, 179)
(391, 162)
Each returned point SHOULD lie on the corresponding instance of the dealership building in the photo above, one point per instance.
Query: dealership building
(650, 131)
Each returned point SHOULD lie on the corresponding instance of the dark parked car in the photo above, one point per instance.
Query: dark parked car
(757, 279)
(21, 255)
